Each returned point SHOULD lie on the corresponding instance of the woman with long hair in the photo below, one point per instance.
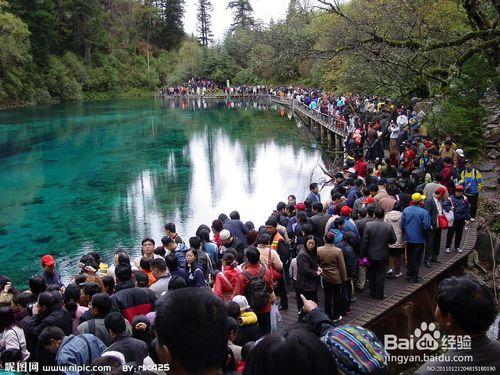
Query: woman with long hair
(13, 342)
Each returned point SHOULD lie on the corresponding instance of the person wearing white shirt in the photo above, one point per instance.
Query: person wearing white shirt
(393, 137)
(402, 120)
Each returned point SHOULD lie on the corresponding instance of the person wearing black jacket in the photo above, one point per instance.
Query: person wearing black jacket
(50, 313)
(434, 206)
(308, 271)
(318, 221)
(133, 350)
(129, 299)
(377, 237)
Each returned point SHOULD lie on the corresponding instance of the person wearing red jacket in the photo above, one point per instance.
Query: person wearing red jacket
(361, 167)
(226, 284)
(254, 268)
(408, 157)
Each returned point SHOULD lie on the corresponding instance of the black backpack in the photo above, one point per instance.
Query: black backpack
(257, 293)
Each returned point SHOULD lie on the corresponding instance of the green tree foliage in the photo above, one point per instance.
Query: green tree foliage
(204, 16)
(460, 112)
(242, 14)
(15, 58)
(169, 32)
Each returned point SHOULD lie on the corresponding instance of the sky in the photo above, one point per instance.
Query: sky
(222, 17)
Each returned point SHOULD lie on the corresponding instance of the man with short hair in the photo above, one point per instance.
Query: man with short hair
(434, 206)
(72, 350)
(177, 249)
(51, 276)
(415, 223)
(313, 195)
(465, 310)
(319, 220)
(129, 299)
(236, 227)
(100, 308)
(160, 272)
(133, 350)
(170, 231)
(377, 237)
(183, 315)
(147, 251)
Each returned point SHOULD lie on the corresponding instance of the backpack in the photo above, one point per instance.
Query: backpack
(257, 293)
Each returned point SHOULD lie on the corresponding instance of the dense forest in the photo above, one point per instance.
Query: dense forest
(68, 50)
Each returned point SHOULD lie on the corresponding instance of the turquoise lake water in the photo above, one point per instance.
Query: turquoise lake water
(99, 176)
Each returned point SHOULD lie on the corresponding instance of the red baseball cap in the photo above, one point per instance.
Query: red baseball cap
(345, 210)
(300, 206)
(48, 260)
(459, 187)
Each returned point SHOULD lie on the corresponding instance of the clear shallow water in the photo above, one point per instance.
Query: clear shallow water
(98, 176)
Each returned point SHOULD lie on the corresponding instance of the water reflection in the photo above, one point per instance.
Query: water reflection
(99, 176)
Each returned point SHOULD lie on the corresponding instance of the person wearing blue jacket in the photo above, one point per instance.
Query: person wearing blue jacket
(71, 351)
(352, 193)
(415, 222)
(461, 214)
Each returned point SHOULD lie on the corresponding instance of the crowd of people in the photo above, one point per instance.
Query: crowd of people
(210, 303)
(205, 87)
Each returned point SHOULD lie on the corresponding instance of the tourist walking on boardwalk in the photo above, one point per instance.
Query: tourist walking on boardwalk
(396, 249)
(472, 181)
(434, 206)
(308, 271)
(415, 223)
(461, 213)
(377, 237)
(333, 275)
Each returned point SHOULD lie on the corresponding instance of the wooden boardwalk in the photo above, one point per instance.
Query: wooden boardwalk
(365, 309)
